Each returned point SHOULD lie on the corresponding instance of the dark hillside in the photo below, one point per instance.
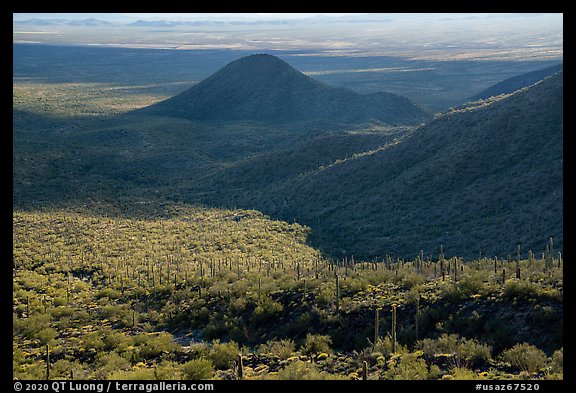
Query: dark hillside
(266, 88)
(510, 85)
(477, 179)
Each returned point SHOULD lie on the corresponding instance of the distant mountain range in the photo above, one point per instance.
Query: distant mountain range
(67, 22)
(265, 88)
(510, 85)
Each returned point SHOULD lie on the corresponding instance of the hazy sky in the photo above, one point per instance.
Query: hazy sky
(130, 17)
(433, 35)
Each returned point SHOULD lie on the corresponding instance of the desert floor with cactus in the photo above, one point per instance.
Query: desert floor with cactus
(188, 293)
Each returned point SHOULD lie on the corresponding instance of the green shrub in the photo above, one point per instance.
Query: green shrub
(525, 357)
(151, 346)
(557, 361)
(47, 336)
(315, 344)
(223, 354)
(385, 346)
(463, 373)
(411, 367)
(114, 341)
(108, 363)
(167, 370)
(35, 371)
(300, 370)
(466, 352)
(109, 293)
(198, 369)
(268, 310)
(515, 288)
(62, 368)
(471, 284)
(139, 374)
(281, 348)
(30, 327)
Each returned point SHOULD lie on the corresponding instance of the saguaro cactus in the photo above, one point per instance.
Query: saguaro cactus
(417, 315)
(376, 326)
(518, 262)
(337, 293)
(47, 362)
(240, 367)
(394, 328)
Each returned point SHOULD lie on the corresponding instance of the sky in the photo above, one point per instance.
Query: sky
(433, 35)
(131, 17)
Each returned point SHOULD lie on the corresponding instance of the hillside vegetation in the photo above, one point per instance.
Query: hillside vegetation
(221, 234)
(180, 293)
(476, 179)
(518, 82)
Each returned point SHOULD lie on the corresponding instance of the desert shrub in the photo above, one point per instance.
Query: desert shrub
(198, 349)
(108, 363)
(30, 327)
(198, 369)
(63, 367)
(300, 370)
(109, 293)
(281, 348)
(167, 370)
(515, 288)
(223, 354)
(268, 310)
(471, 284)
(34, 371)
(47, 336)
(138, 374)
(411, 280)
(112, 312)
(557, 361)
(151, 346)
(316, 343)
(465, 351)
(525, 357)
(114, 341)
(411, 367)
(384, 346)
(473, 353)
(463, 373)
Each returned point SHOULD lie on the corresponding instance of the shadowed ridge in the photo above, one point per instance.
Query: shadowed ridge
(265, 88)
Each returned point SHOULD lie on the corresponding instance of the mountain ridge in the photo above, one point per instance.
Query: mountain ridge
(265, 88)
(510, 85)
(492, 168)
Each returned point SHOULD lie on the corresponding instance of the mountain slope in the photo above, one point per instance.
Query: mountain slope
(265, 88)
(476, 179)
(510, 85)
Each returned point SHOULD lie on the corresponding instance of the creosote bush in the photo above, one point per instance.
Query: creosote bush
(223, 354)
(281, 348)
(525, 357)
(197, 369)
(410, 366)
(315, 344)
